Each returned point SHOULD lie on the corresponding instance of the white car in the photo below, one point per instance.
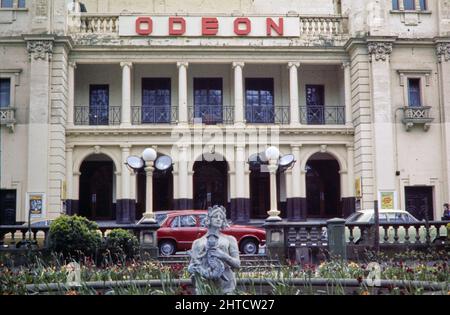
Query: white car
(397, 217)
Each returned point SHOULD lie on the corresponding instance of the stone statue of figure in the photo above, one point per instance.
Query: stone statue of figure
(215, 255)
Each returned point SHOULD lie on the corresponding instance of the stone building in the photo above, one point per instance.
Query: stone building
(357, 91)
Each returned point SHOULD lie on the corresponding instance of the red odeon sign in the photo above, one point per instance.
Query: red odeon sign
(208, 26)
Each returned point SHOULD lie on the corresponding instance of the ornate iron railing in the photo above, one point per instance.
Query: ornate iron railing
(211, 114)
(417, 115)
(322, 115)
(7, 117)
(159, 114)
(267, 114)
(96, 116)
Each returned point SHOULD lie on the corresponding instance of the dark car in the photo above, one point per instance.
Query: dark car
(179, 229)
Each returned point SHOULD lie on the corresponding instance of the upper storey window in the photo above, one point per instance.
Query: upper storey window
(10, 3)
(409, 5)
(5, 92)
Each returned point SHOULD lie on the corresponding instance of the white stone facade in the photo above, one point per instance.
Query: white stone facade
(365, 54)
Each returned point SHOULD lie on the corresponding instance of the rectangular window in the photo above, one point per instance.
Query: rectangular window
(208, 99)
(409, 4)
(259, 96)
(156, 100)
(414, 94)
(395, 5)
(6, 3)
(21, 3)
(99, 105)
(423, 5)
(5, 92)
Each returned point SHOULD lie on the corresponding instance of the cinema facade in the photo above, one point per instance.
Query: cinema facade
(357, 91)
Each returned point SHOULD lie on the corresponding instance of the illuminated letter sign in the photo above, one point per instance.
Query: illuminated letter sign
(238, 23)
(140, 22)
(210, 26)
(271, 25)
(182, 26)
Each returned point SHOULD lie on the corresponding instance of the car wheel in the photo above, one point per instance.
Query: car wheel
(167, 248)
(249, 247)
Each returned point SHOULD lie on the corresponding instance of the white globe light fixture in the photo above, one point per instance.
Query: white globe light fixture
(273, 154)
(149, 156)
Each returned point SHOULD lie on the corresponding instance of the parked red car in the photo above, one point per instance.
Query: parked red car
(179, 229)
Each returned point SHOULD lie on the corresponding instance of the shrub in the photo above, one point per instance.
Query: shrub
(74, 236)
(121, 242)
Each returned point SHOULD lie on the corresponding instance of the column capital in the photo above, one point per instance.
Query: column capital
(69, 147)
(126, 64)
(40, 49)
(380, 51)
(293, 64)
(238, 64)
(125, 147)
(184, 64)
(72, 64)
(296, 146)
(443, 51)
(350, 146)
(346, 64)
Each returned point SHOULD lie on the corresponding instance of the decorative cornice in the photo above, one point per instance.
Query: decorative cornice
(40, 50)
(380, 50)
(443, 51)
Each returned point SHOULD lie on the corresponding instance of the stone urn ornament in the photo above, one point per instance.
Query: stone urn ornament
(214, 257)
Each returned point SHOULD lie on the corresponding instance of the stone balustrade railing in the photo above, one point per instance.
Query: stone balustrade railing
(310, 26)
(7, 117)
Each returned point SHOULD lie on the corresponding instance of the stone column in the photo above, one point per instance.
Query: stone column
(126, 93)
(348, 200)
(240, 206)
(383, 133)
(182, 92)
(75, 193)
(293, 93)
(443, 54)
(126, 205)
(71, 92)
(348, 94)
(184, 201)
(296, 206)
(70, 202)
(40, 51)
(239, 117)
(274, 213)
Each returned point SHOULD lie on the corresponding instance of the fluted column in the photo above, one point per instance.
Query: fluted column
(182, 92)
(348, 94)
(126, 93)
(71, 103)
(238, 93)
(293, 93)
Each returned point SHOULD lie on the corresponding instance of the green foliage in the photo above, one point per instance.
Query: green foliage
(74, 236)
(121, 242)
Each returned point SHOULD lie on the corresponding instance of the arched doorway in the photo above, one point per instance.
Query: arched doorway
(260, 192)
(323, 187)
(210, 184)
(162, 191)
(97, 188)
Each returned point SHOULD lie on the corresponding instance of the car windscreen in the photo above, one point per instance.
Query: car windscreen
(160, 217)
(354, 217)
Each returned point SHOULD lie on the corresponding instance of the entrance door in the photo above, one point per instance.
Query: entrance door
(315, 104)
(210, 184)
(419, 202)
(7, 207)
(96, 190)
(99, 105)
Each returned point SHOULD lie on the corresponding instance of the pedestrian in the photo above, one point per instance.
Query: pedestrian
(446, 216)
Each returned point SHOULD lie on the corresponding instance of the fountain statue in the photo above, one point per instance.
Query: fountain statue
(214, 257)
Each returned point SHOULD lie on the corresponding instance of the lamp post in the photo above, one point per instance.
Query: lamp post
(149, 156)
(273, 154)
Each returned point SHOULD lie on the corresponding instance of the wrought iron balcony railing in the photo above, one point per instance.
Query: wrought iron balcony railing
(267, 114)
(322, 115)
(7, 117)
(158, 114)
(211, 114)
(417, 115)
(97, 116)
